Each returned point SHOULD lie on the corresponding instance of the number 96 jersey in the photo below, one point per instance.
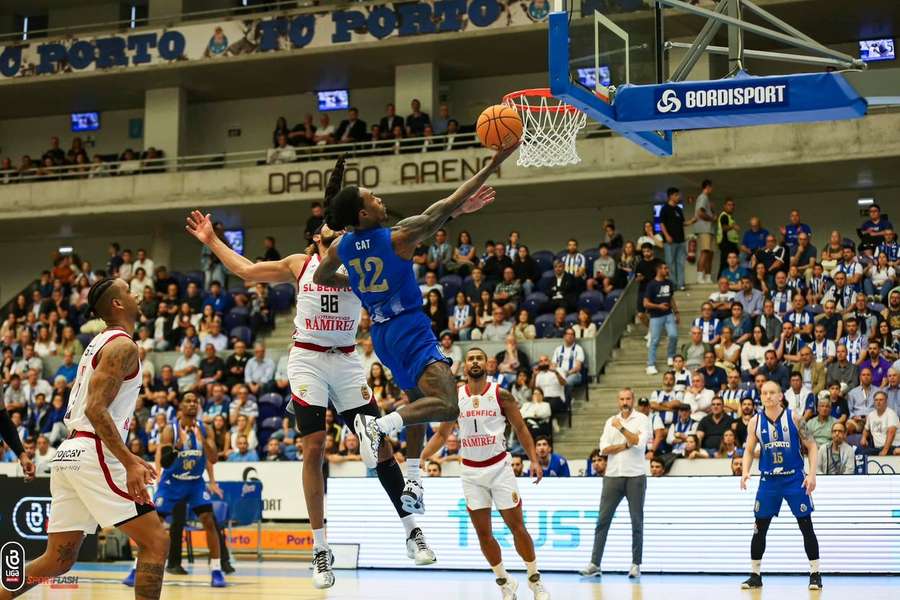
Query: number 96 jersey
(326, 316)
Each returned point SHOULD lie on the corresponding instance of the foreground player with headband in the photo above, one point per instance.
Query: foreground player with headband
(94, 478)
(378, 260)
(487, 475)
(322, 364)
(781, 432)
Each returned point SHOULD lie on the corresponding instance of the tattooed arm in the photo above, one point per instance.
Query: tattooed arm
(327, 271)
(118, 359)
(812, 451)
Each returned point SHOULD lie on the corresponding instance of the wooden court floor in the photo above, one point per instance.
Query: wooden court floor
(269, 580)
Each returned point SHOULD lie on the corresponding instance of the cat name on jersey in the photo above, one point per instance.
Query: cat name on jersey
(362, 245)
(331, 324)
(479, 441)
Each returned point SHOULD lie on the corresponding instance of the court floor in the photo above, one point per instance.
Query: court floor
(291, 580)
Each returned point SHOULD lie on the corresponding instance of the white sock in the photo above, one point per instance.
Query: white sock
(814, 566)
(390, 422)
(756, 566)
(409, 523)
(500, 572)
(215, 564)
(412, 469)
(319, 539)
(532, 567)
(134, 566)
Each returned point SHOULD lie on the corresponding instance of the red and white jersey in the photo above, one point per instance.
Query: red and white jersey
(121, 409)
(326, 316)
(482, 424)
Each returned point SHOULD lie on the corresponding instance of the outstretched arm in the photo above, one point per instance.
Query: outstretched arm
(327, 271)
(468, 197)
(270, 271)
(437, 440)
(514, 416)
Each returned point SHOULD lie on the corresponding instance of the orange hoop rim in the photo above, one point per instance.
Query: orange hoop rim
(562, 107)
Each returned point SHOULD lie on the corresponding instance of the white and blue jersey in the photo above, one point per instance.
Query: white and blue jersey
(780, 467)
(709, 328)
(183, 479)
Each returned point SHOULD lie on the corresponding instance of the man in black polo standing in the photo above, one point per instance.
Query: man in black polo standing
(671, 219)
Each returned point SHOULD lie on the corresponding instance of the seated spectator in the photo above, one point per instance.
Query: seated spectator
(390, 121)
(799, 399)
(453, 351)
(281, 384)
(574, 262)
(866, 319)
(220, 301)
(68, 369)
(243, 453)
(498, 328)
(714, 376)
(526, 269)
(243, 406)
(520, 390)
(708, 324)
(537, 415)
(840, 292)
(553, 465)
(823, 350)
(351, 129)
(842, 370)
(440, 123)
(625, 265)
(56, 154)
(596, 466)
(569, 359)
(713, 426)
(837, 457)
(464, 258)
(861, 401)
(433, 469)
(416, 120)
(857, 344)
(876, 363)
(753, 353)
(436, 309)
(325, 132)
(692, 449)
(450, 451)
(679, 430)
(452, 137)
(722, 299)
(129, 163)
(494, 265)
(44, 346)
(8, 173)
(563, 291)
(698, 397)
(440, 253)
(217, 403)
(733, 272)
(584, 327)
(880, 432)
(728, 448)
(820, 426)
(98, 168)
(692, 353)
(462, 319)
(431, 283)
(259, 371)
(429, 144)
(524, 329)
(558, 328)
(235, 365)
(603, 270)
(811, 372)
(750, 299)
(478, 284)
(727, 352)
(509, 290)
(274, 450)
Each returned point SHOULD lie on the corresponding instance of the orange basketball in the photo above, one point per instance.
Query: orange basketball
(499, 126)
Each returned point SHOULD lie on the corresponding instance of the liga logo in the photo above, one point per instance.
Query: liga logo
(673, 101)
(12, 566)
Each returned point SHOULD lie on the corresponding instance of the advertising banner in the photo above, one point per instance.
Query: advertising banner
(691, 524)
(286, 32)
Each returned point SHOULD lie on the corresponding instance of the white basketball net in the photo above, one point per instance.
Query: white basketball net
(549, 128)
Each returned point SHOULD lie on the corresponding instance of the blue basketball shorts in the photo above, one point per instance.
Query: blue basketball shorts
(773, 489)
(171, 492)
(407, 345)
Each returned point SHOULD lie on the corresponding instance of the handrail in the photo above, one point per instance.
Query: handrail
(237, 12)
(615, 324)
(196, 162)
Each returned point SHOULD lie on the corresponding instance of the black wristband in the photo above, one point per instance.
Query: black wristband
(9, 434)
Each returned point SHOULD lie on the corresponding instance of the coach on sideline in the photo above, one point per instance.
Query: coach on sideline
(624, 440)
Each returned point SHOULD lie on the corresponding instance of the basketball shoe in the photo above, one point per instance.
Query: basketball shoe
(412, 497)
(508, 588)
(417, 548)
(323, 576)
(537, 587)
(370, 438)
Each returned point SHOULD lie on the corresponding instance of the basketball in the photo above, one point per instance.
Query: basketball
(499, 126)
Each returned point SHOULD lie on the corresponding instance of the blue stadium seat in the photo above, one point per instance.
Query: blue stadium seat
(546, 281)
(271, 423)
(238, 287)
(591, 254)
(452, 284)
(270, 405)
(598, 317)
(281, 296)
(876, 306)
(571, 319)
(611, 299)
(816, 309)
(239, 316)
(591, 300)
(195, 276)
(544, 260)
(535, 303)
(242, 333)
(180, 279)
(85, 339)
(542, 323)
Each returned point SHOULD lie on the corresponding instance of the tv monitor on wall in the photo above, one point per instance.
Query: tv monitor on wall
(333, 100)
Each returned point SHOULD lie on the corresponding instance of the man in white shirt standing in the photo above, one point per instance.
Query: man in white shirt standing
(624, 440)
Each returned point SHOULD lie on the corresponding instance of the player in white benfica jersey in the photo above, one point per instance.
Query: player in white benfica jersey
(323, 364)
(94, 479)
(487, 475)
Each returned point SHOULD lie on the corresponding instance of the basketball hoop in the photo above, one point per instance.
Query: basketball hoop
(549, 127)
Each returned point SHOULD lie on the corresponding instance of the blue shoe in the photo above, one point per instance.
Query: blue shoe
(218, 579)
(129, 581)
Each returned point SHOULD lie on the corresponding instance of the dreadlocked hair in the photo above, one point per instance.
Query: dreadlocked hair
(335, 180)
(343, 209)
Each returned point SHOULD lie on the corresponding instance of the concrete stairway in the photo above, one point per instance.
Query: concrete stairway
(626, 369)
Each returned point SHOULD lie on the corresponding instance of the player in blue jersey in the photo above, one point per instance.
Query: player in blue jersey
(781, 433)
(185, 448)
(378, 260)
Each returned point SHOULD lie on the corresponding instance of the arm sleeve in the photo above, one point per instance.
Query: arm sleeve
(9, 434)
(643, 432)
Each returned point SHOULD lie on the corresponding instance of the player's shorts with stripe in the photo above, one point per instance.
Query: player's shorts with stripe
(88, 488)
(494, 484)
(316, 377)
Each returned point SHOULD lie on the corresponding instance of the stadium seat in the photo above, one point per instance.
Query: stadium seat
(85, 338)
(876, 306)
(239, 316)
(591, 300)
(451, 284)
(598, 317)
(541, 324)
(242, 333)
(195, 276)
(571, 319)
(238, 287)
(590, 255)
(544, 260)
(270, 405)
(534, 303)
(611, 299)
(546, 281)
(180, 279)
(281, 296)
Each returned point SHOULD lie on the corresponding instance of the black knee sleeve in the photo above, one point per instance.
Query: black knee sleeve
(391, 478)
(758, 543)
(810, 541)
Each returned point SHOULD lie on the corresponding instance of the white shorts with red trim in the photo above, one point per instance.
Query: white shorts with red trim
(492, 485)
(316, 377)
(88, 486)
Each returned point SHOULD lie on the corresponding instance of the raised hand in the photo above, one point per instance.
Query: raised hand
(484, 196)
(200, 226)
